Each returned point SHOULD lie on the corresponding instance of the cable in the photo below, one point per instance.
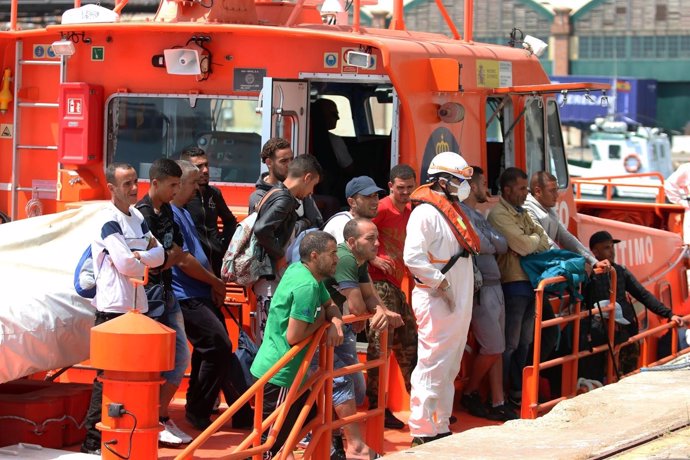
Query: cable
(107, 444)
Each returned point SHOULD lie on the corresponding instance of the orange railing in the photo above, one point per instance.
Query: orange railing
(320, 384)
(610, 182)
(531, 407)
(530, 374)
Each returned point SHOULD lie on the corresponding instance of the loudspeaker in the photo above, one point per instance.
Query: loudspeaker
(182, 61)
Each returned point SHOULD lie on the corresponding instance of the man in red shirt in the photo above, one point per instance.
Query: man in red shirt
(387, 272)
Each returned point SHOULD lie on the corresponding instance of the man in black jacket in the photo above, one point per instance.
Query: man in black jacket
(275, 227)
(205, 207)
(277, 155)
(602, 245)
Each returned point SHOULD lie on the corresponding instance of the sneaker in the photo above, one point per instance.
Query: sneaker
(172, 435)
(200, 423)
(474, 405)
(392, 422)
(501, 413)
(442, 435)
(419, 440)
(88, 450)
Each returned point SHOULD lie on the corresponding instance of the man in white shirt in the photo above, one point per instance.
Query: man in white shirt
(677, 188)
(123, 250)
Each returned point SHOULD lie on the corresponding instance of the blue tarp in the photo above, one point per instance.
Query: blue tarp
(634, 98)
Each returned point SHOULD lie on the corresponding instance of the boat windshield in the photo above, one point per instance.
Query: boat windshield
(544, 140)
(142, 128)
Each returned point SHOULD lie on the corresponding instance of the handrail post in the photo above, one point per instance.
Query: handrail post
(378, 421)
(469, 21)
(569, 369)
(327, 439)
(449, 21)
(530, 374)
(612, 326)
(13, 17)
(356, 16)
(398, 20)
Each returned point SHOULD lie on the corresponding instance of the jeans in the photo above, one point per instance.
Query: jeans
(351, 386)
(519, 337)
(346, 355)
(174, 320)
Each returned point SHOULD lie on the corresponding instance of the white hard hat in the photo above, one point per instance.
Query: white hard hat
(450, 163)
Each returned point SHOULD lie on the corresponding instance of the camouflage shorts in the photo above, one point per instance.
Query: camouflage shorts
(402, 341)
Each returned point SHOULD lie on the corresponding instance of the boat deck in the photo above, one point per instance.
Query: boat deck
(218, 445)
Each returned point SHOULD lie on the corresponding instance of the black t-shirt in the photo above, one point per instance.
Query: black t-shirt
(164, 228)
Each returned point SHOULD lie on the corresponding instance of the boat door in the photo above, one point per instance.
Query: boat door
(283, 105)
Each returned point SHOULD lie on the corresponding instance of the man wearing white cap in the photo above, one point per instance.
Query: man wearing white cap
(438, 248)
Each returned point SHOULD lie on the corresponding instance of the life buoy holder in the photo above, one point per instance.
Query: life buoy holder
(632, 163)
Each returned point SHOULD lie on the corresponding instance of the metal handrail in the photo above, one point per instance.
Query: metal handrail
(530, 374)
(609, 182)
(321, 385)
(530, 388)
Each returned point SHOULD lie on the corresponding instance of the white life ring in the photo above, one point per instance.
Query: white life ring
(632, 163)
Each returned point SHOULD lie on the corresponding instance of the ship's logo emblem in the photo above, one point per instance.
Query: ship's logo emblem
(442, 146)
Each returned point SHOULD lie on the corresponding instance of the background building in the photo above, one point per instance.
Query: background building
(635, 39)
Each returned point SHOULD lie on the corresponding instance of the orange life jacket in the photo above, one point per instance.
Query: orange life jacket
(458, 221)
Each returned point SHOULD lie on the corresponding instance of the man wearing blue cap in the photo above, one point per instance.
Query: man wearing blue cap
(362, 196)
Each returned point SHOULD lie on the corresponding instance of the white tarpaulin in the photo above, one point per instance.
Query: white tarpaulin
(44, 323)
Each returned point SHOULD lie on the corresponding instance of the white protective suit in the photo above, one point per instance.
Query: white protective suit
(677, 188)
(429, 244)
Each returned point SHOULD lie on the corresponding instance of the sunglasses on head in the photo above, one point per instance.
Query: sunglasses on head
(465, 172)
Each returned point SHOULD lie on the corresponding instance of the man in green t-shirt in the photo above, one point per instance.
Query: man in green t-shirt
(300, 305)
(351, 289)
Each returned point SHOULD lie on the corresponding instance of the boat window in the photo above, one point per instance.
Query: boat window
(345, 126)
(499, 146)
(381, 116)
(595, 152)
(534, 135)
(614, 152)
(557, 163)
(142, 128)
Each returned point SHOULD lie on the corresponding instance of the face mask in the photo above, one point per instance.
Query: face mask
(462, 191)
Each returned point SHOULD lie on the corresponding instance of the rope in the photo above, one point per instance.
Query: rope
(668, 367)
(40, 428)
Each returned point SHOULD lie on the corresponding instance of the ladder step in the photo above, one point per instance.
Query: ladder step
(49, 105)
(37, 147)
(38, 62)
